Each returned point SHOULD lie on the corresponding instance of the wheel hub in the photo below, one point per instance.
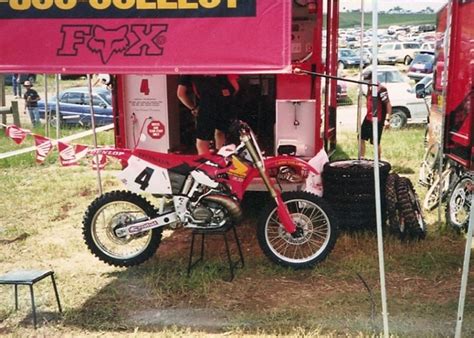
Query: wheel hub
(117, 222)
(302, 232)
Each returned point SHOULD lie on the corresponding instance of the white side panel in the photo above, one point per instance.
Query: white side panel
(142, 176)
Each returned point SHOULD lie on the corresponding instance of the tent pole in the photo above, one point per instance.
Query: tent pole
(94, 133)
(378, 208)
(46, 107)
(465, 274)
(361, 66)
(57, 107)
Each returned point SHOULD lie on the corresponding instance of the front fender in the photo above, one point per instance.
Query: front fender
(273, 164)
(301, 166)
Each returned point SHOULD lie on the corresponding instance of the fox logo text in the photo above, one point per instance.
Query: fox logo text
(129, 40)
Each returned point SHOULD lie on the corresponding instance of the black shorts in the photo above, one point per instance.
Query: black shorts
(214, 115)
(366, 132)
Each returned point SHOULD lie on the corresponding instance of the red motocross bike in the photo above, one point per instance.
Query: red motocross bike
(296, 229)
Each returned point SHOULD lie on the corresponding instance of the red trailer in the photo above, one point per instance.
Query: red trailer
(458, 98)
(452, 106)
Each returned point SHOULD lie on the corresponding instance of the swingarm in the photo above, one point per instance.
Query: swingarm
(142, 226)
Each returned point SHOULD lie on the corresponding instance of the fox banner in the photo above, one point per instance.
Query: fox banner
(145, 36)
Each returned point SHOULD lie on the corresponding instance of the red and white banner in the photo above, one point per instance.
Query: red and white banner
(69, 155)
(102, 161)
(143, 37)
(43, 147)
(17, 134)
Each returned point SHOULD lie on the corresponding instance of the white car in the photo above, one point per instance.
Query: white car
(406, 107)
(394, 52)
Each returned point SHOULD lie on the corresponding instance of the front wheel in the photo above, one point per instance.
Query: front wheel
(112, 211)
(314, 238)
(459, 203)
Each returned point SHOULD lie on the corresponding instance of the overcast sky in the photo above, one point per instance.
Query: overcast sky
(384, 5)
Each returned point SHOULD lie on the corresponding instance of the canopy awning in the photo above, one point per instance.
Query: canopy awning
(145, 36)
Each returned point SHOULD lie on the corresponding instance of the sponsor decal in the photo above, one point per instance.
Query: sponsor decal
(128, 40)
(85, 9)
(239, 169)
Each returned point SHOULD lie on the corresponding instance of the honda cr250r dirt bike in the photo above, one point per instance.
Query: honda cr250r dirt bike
(296, 229)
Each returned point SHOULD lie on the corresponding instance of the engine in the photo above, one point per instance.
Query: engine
(214, 211)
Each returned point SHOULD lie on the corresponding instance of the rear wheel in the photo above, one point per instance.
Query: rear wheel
(407, 60)
(315, 234)
(53, 119)
(341, 65)
(430, 159)
(432, 195)
(111, 212)
(398, 119)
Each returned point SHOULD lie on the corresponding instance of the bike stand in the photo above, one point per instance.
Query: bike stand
(29, 277)
(219, 231)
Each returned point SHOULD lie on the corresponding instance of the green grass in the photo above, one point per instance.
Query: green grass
(351, 19)
(40, 227)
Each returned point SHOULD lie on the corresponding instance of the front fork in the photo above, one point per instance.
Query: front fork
(282, 210)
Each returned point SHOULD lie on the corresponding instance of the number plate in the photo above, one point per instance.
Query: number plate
(142, 176)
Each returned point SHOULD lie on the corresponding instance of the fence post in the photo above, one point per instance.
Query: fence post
(16, 114)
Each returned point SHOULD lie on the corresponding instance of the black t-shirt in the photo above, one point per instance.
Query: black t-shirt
(33, 95)
(208, 86)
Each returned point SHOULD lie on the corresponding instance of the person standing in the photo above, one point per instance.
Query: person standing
(384, 111)
(16, 85)
(213, 108)
(103, 80)
(31, 103)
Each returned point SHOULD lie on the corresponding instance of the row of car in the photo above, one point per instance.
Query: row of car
(419, 60)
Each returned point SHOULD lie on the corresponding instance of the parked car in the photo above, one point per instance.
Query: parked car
(347, 58)
(341, 91)
(394, 52)
(74, 107)
(421, 65)
(406, 107)
(428, 46)
(73, 76)
(23, 78)
(366, 55)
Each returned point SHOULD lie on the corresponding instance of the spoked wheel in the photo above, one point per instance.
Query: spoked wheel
(315, 235)
(459, 203)
(428, 165)
(432, 195)
(115, 210)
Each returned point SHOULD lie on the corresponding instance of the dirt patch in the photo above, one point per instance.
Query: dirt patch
(185, 317)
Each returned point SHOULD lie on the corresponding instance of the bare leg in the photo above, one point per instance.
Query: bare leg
(362, 149)
(202, 146)
(220, 138)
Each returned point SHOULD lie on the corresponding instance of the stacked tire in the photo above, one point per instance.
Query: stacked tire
(404, 215)
(349, 188)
